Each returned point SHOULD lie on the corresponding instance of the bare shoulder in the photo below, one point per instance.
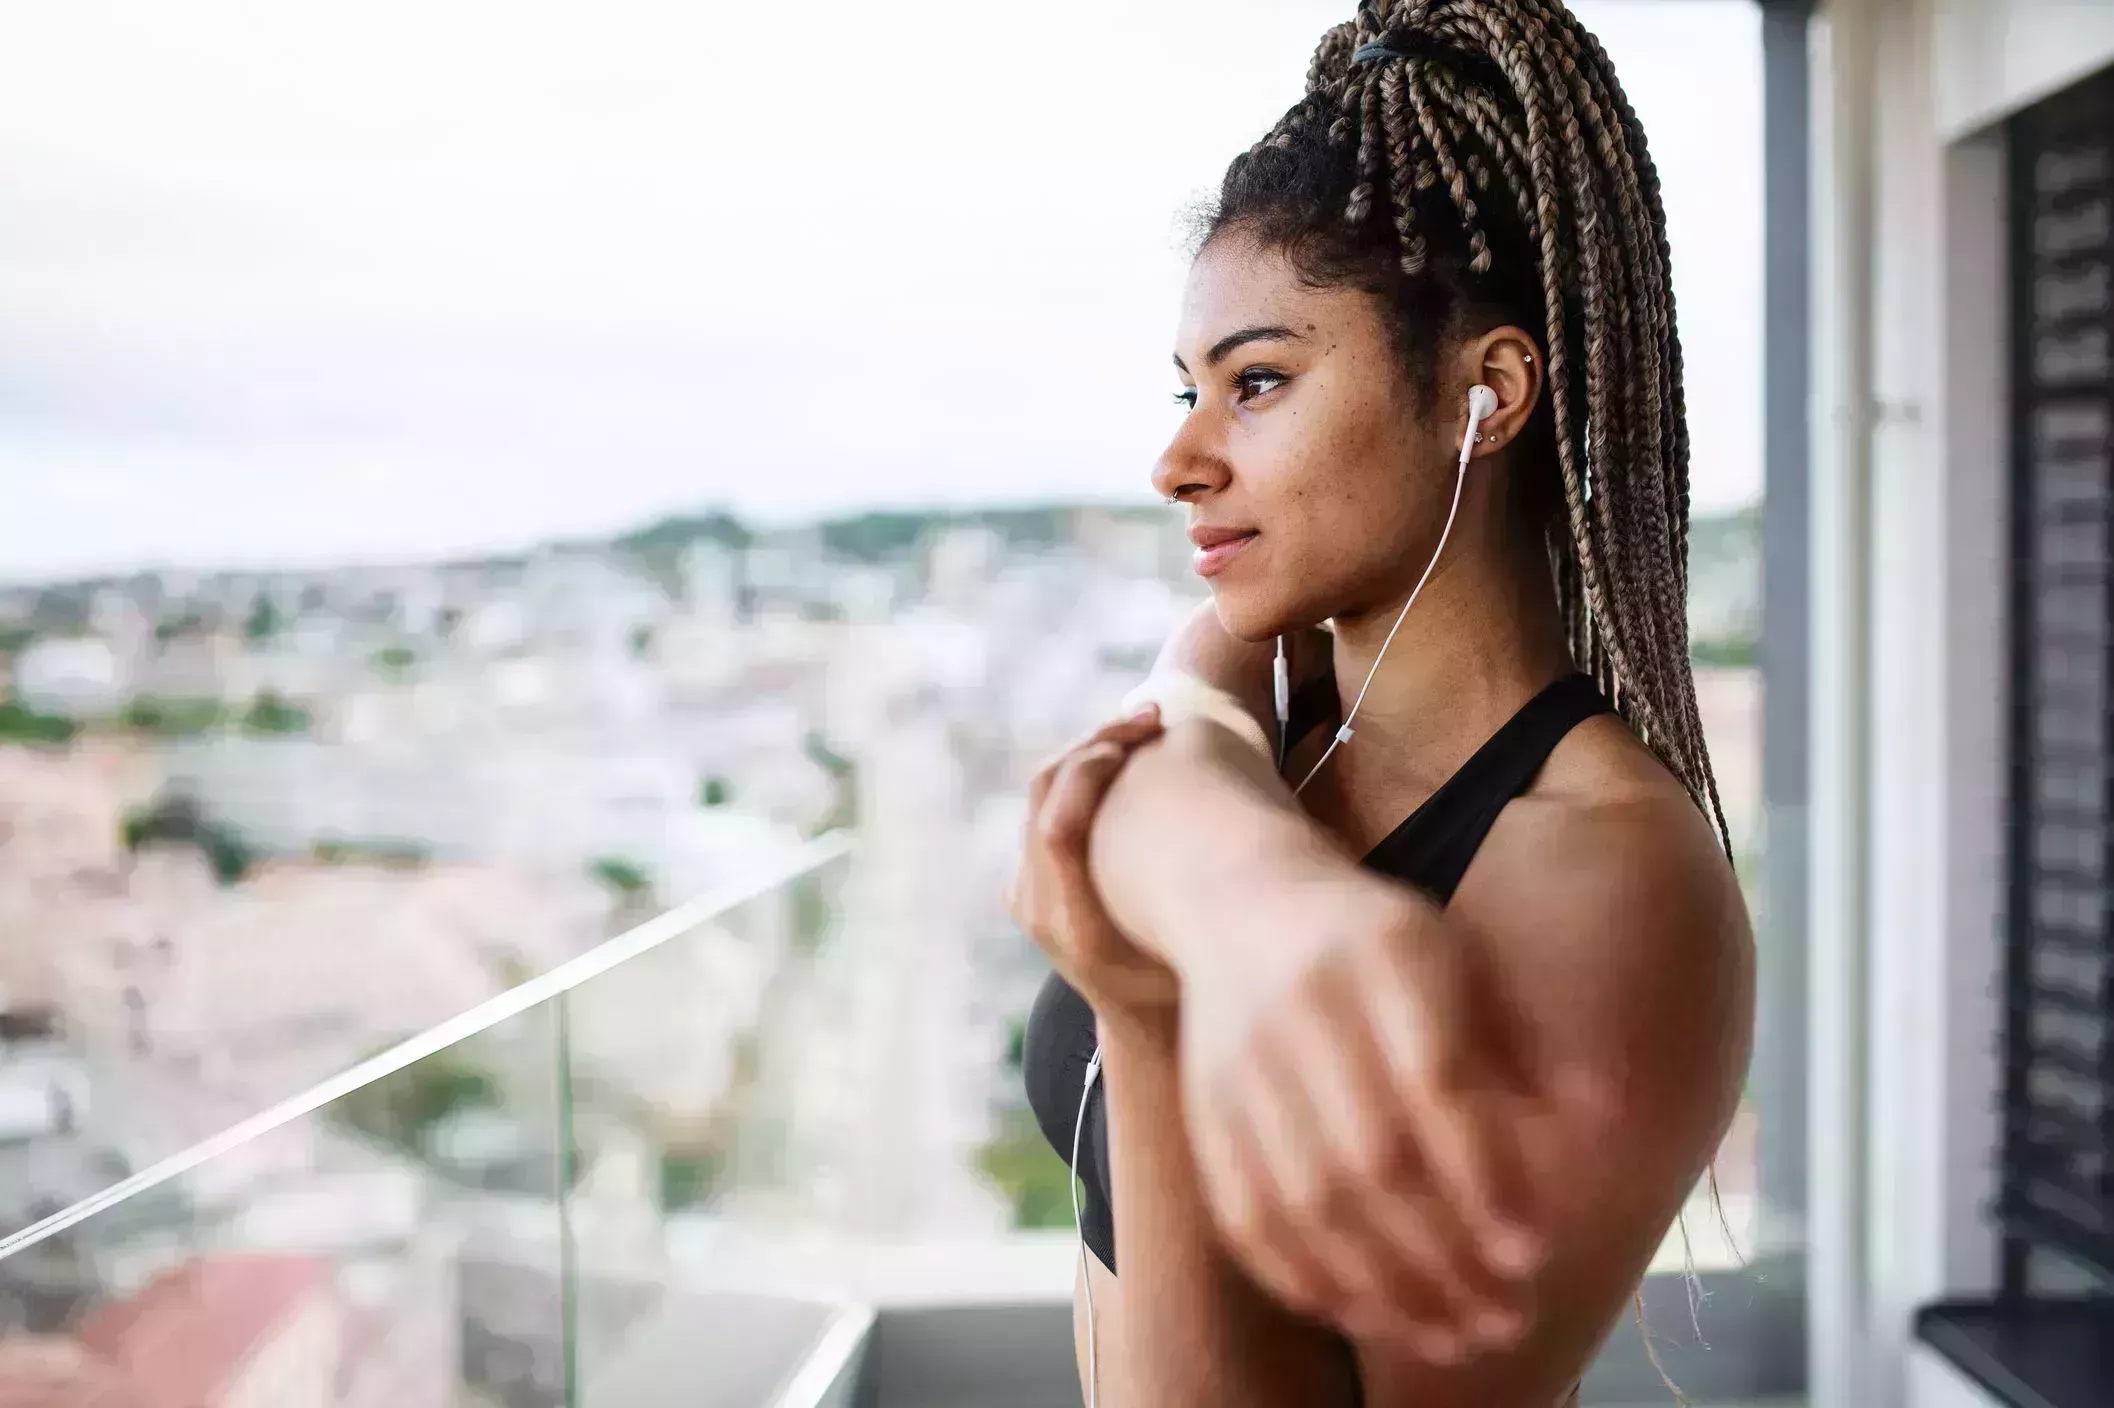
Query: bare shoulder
(1606, 821)
(1614, 928)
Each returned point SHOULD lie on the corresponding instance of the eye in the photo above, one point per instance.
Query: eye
(1258, 381)
(1186, 398)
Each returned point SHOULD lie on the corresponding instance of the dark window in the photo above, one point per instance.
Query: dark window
(2057, 1182)
(2048, 1337)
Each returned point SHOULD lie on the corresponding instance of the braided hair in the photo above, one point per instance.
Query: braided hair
(1473, 164)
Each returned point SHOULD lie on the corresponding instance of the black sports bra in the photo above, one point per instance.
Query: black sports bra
(1431, 850)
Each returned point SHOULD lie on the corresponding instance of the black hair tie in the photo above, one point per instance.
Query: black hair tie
(1385, 47)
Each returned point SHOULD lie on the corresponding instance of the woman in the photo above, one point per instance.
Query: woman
(1396, 1111)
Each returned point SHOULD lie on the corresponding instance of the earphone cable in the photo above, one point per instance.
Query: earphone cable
(1343, 734)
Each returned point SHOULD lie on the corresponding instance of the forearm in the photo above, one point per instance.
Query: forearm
(1194, 1329)
(1201, 853)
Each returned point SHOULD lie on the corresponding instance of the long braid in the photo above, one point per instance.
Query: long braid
(1513, 104)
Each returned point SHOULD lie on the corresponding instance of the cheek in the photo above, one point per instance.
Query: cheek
(1343, 469)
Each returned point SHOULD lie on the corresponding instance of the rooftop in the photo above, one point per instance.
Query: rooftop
(181, 1339)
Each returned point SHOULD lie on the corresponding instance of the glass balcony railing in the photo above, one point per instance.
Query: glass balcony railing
(689, 1167)
(566, 1196)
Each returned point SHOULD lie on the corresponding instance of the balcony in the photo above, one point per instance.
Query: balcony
(610, 1185)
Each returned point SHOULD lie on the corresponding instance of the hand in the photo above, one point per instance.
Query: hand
(1363, 1163)
(1052, 897)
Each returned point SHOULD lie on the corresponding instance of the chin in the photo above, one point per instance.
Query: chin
(1250, 616)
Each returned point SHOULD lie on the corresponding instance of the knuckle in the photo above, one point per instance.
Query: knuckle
(1055, 820)
(1314, 1199)
(1377, 1153)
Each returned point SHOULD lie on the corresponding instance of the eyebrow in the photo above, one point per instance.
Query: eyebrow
(1225, 345)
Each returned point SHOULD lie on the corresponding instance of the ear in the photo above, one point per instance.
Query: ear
(1509, 362)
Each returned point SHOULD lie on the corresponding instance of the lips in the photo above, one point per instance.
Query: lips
(1216, 549)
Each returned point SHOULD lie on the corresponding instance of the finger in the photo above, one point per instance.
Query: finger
(1136, 727)
(1405, 1282)
(1132, 730)
(1378, 1128)
(1076, 794)
(1418, 1263)
(1238, 1192)
(1470, 1158)
(1260, 1234)
(1039, 785)
(1279, 1146)
(1312, 1190)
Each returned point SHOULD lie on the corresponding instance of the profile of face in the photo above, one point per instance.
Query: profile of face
(1305, 432)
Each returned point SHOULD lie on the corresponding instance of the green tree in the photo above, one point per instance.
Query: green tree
(403, 1108)
(1023, 1166)
(626, 878)
(1736, 653)
(180, 821)
(269, 714)
(876, 537)
(190, 623)
(264, 620)
(21, 724)
(689, 1177)
(395, 660)
(397, 855)
(714, 792)
(815, 906)
(844, 812)
(173, 717)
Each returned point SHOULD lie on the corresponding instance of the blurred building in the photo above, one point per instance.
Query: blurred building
(1958, 521)
(246, 1331)
(74, 676)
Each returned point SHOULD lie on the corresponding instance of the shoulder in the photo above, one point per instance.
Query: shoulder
(1606, 822)
(1614, 927)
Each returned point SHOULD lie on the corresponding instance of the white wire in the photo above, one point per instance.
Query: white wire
(1460, 477)
(1086, 1280)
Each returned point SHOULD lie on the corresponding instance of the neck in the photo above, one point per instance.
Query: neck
(1484, 637)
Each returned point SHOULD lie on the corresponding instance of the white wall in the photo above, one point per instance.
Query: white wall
(1909, 706)
(1996, 56)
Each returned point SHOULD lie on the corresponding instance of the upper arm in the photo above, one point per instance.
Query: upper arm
(1615, 958)
(1614, 942)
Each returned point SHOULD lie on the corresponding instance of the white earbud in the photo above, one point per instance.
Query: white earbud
(1482, 402)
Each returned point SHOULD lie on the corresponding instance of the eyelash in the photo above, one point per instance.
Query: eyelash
(1186, 397)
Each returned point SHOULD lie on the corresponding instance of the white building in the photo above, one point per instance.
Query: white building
(77, 676)
(1962, 430)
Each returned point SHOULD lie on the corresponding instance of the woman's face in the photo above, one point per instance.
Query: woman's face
(1304, 433)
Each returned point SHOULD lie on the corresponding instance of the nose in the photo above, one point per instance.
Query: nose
(1193, 462)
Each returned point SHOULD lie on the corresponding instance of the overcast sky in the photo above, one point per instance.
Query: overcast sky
(308, 283)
